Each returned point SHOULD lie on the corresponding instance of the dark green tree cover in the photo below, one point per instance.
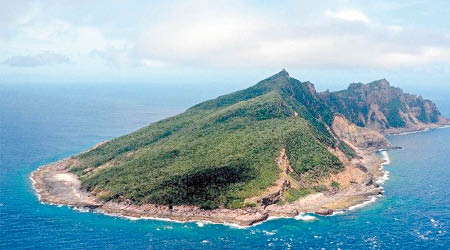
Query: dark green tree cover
(393, 116)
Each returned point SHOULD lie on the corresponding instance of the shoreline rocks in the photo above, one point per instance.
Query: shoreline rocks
(324, 211)
(52, 188)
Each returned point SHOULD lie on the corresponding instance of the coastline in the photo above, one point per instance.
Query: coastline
(55, 185)
(417, 129)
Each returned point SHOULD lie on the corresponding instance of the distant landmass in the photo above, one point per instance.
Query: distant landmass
(278, 148)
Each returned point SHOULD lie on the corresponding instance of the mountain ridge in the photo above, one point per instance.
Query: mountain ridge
(384, 108)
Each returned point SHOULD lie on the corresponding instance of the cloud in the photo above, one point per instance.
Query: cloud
(424, 56)
(348, 15)
(220, 34)
(32, 27)
(153, 63)
(45, 58)
(238, 37)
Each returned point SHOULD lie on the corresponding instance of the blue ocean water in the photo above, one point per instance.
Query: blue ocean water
(43, 123)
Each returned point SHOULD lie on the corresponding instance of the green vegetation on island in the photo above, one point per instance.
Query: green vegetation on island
(222, 151)
(218, 152)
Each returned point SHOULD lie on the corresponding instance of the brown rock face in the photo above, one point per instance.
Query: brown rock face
(324, 211)
(358, 136)
(276, 193)
(379, 106)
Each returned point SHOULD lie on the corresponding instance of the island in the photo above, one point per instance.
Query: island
(276, 149)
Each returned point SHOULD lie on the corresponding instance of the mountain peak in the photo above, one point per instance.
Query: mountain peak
(380, 83)
(276, 80)
(282, 73)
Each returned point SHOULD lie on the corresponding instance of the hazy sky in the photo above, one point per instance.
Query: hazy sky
(330, 43)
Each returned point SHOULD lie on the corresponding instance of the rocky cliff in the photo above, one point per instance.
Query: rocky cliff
(382, 107)
(358, 136)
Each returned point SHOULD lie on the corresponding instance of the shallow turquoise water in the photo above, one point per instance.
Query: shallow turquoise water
(43, 123)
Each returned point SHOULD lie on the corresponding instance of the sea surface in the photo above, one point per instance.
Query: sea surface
(42, 123)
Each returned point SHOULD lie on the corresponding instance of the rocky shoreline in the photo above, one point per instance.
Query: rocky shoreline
(54, 184)
(417, 129)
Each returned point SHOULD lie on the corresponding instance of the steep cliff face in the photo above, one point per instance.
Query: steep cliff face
(379, 106)
(358, 136)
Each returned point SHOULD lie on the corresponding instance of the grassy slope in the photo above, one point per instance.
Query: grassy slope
(218, 152)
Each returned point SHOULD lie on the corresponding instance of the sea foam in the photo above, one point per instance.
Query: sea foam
(360, 205)
(305, 217)
(386, 158)
(386, 161)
